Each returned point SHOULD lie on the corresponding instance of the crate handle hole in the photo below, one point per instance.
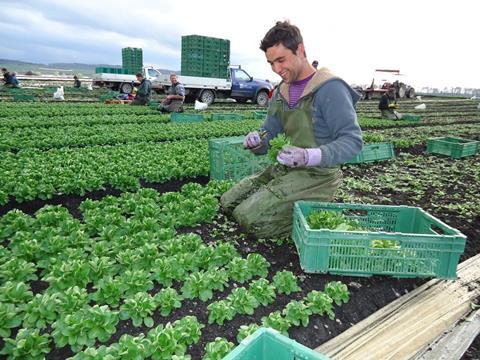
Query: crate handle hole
(437, 229)
(355, 212)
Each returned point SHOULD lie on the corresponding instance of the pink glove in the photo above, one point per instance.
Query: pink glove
(293, 156)
(252, 140)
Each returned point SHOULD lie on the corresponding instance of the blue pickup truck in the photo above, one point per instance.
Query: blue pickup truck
(239, 86)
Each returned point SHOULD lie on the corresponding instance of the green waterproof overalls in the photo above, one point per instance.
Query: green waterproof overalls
(263, 203)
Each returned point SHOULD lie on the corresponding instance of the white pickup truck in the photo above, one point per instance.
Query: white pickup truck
(239, 86)
(125, 83)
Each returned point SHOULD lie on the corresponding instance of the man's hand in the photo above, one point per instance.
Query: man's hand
(293, 156)
(252, 140)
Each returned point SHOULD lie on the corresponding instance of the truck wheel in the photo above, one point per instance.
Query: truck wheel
(207, 97)
(262, 98)
(401, 92)
(126, 88)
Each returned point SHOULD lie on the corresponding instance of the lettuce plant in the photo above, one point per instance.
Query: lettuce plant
(84, 327)
(217, 349)
(296, 312)
(338, 291)
(65, 274)
(41, 310)
(10, 317)
(320, 303)
(94, 353)
(219, 311)
(188, 330)
(257, 265)
(139, 308)
(167, 300)
(276, 144)
(165, 270)
(16, 269)
(163, 344)
(197, 285)
(285, 282)
(262, 291)
(242, 301)
(246, 330)
(238, 270)
(15, 293)
(136, 281)
(130, 348)
(28, 344)
(109, 291)
(71, 300)
(276, 321)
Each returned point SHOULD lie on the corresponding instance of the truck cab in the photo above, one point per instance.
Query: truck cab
(245, 87)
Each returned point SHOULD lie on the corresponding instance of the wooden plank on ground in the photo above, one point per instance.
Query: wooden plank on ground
(404, 327)
(453, 344)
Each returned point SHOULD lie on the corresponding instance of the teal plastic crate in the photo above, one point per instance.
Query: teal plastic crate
(23, 97)
(230, 161)
(227, 116)
(452, 146)
(425, 246)
(373, 152)
(268, 344)
(260, 115)
(412, 117)
(182, 117)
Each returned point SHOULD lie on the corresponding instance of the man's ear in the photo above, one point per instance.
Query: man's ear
(301, 49)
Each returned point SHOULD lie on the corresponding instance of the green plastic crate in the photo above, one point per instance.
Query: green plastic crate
(411, 117)
(427, 247)
(373, 152)
(181, 117)
(230, 161)
(452, 146)
(260, 115)
(267, 344)
(23, 97)
(227, 116)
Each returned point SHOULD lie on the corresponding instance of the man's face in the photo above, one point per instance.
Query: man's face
(139, 78)
(285, 63)
(173, 79)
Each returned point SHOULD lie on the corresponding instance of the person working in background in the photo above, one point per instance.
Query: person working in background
(315, 110)
(315, 64)
(143, 92)
(387, 106)
(9, 79)
(175, 98)
(76, 82)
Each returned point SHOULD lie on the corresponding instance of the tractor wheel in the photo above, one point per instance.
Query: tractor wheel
(411, 93)
(402, 91)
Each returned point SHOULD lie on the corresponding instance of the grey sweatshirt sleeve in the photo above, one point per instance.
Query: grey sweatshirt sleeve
(335, 125)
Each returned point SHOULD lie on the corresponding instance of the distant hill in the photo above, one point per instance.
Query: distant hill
(21, 67)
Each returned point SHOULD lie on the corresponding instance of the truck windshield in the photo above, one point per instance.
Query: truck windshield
(153, 73)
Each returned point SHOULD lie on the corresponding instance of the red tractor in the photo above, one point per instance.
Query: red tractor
(399, 89)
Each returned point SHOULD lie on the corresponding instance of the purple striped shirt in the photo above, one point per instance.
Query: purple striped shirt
(296, 90)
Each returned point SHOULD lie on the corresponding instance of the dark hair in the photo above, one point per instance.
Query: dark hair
(282, 33)
(139, 75)
(4, 69)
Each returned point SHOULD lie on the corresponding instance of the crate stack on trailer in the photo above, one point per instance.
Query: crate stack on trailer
(205, 56)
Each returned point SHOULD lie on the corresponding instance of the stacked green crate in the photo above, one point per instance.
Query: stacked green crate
(205, 56)
(132, 60)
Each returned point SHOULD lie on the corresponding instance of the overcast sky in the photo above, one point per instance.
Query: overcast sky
(433, 43)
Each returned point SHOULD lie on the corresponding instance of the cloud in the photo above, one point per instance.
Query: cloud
(432, 42)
